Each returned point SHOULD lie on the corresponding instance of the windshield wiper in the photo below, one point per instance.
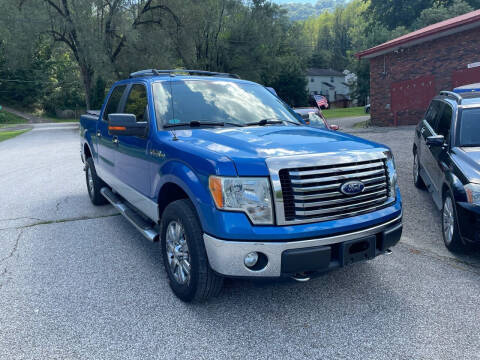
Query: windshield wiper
(195, 123)
(270, 121)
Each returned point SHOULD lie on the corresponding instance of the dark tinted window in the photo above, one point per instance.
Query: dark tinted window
(221, 101)
(137, 102)
(432, 113)
(114, 101)
(445, 121)
(470, 127)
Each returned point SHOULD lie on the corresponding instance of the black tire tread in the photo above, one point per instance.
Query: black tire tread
(97, 198)
(208, 284)
(457, 245)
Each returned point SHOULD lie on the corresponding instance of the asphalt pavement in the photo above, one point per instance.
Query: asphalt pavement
(78, 281)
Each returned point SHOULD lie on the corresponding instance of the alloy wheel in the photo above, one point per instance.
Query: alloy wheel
(178, 253)
(416, 170)
(90, 181)
(448, 220)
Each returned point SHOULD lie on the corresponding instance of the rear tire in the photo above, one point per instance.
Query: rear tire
(417, 178)
(184, 255)
(94, 184)
(450, 231)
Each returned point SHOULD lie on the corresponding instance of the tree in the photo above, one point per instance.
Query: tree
(441, 12)
(84, 26)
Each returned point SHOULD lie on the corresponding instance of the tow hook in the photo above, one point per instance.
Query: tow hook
(301, 277)
(388, 252)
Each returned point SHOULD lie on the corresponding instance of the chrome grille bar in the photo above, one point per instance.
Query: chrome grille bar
(339, 201)
(339, 208)
(338, 177)
(307, 188)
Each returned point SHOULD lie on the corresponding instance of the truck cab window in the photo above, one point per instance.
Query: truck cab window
(137, 102)
(114, 101)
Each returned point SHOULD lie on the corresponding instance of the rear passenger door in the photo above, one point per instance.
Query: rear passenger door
(133, 170)
(428, 129)
(439, 154)
(107, 148)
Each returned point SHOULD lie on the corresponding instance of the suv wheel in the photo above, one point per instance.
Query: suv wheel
(184, 255)
(417, 179)
(94, 184)
(450, 231)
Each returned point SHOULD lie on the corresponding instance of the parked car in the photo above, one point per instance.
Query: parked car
(367, 109)
(233, 184)
(446, 154)
(467, 88)
(315, 118)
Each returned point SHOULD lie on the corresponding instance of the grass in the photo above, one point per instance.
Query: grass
(9, 118)
(5, 135)
(344, 112)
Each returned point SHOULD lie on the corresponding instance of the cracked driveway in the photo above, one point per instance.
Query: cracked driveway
(78, 282)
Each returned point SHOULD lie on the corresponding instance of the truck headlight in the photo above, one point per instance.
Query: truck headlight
(249, 195)
(473, 193)
(392, 174)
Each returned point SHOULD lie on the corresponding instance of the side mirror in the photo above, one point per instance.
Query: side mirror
(334, 127)
(126, 125)
(437, 140)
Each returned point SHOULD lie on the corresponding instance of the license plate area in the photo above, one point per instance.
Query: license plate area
(358, 250)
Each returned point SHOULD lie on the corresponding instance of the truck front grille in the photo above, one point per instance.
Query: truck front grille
(313, 193)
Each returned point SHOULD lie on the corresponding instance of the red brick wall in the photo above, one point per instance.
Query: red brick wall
(440, 58)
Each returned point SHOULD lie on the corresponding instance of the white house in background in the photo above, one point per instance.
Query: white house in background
(329, 83)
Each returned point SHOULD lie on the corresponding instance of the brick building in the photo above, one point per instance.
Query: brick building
(407, 72)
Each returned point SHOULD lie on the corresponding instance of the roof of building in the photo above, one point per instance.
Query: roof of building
(448, 27)
(323, 72)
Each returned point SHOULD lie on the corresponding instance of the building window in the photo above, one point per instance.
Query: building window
(312, 79)
(332, 80)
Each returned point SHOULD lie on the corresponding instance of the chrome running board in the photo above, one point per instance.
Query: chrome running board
(145, 227)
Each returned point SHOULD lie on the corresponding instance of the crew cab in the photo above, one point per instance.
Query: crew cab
(446, 161)
(232, 183)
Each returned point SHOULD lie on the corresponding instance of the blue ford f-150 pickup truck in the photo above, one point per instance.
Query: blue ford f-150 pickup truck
(233, 184)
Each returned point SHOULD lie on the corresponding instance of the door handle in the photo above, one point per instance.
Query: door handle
(99, 134)
(115, 140)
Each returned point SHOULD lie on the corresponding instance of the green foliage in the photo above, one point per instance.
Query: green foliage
(305, 10)
(98, 94)
(441, 12)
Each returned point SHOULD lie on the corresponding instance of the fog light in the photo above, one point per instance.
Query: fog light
(251, 259)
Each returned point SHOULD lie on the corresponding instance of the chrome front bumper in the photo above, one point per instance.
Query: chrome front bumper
(227, 257)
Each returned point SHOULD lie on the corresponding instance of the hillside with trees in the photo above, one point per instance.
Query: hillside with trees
(64, 54)
(304, 10)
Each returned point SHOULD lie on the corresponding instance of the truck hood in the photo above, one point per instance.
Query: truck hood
(249, 147)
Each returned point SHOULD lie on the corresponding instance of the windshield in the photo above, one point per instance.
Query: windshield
(469, 132)
(315, 120)
(217, 101)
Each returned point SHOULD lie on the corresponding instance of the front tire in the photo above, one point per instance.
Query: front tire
(184, 255)
(94, 184)
(450, 231)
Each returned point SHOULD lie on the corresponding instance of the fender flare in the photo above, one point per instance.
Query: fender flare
(184, 176)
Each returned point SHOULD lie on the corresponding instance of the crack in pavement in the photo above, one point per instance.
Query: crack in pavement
(59, 221)
(472, 267)
(12, 252)
(22, 217)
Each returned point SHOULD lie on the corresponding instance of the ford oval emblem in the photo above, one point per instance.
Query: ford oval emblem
(353, 187)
